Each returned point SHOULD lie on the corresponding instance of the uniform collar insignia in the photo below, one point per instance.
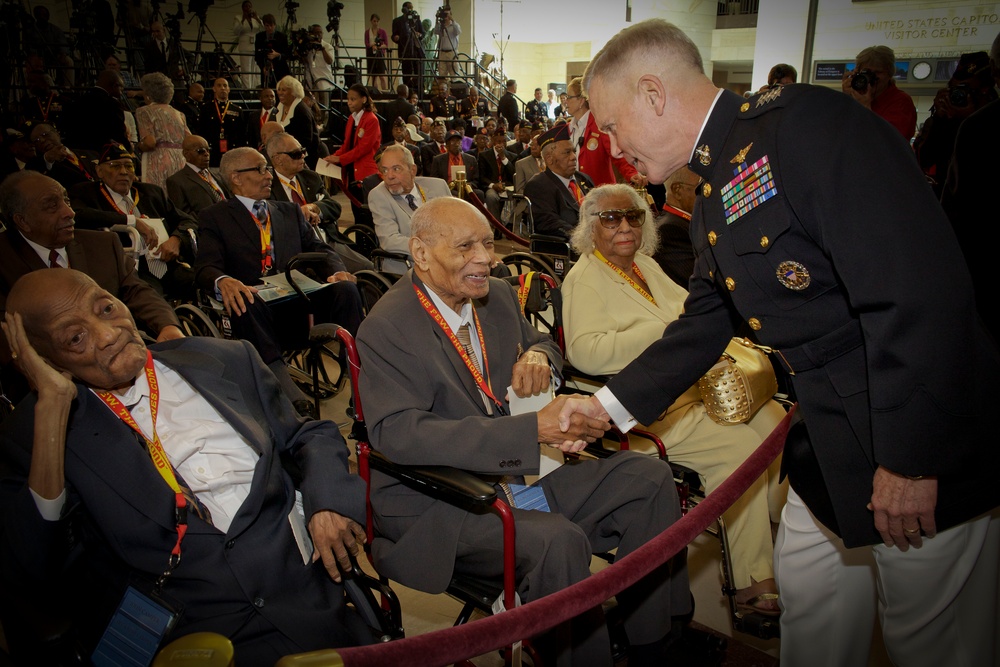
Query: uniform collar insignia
(704, 155)
(769, 96)
(741, 156)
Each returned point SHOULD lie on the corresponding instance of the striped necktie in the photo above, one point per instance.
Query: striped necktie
(575, 189)
(217, 195)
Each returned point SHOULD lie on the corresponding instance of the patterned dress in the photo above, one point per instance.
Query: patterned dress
(169, 128)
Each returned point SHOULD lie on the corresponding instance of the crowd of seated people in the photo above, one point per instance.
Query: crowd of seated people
(200, 176)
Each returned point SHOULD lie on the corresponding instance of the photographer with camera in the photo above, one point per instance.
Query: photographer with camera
(317, 56)
(271, 53)
(406, 34)
(376, 46)
(447, 30)
(969, 89)
(872, 85)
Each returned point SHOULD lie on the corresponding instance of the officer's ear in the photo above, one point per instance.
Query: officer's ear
(652, 93)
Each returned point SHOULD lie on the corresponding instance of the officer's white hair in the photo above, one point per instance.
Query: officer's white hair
(652, 41)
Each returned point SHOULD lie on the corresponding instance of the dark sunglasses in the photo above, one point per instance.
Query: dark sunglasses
(612, 218)
(202, 151)
(295, 155)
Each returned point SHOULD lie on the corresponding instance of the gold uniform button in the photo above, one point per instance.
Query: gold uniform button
(712, 238)
(764, 241)
(754, 323)
(706, 190)
(731, 284)
(745, 107)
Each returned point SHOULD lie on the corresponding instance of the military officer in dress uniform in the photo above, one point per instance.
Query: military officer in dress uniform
(869, 307)
(222, 122)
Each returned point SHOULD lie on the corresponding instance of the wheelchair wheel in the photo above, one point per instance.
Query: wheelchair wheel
(522, 262)
(372, 286)
(362, 238)
(194, 321)
(331, 371)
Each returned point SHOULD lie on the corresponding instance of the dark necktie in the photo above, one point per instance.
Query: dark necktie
(216, 193)
(163, 49)
(296, 195)
(54, 260)
(413, 204)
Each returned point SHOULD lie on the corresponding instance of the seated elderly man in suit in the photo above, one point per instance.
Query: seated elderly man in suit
(40, 234)
(438, 352)
(496, 171)
(66, 165)
(295, 183)
(454, 157)
(247, 238)
(196, 186)
(400, 134)
(87, 512)
(394, 200)
(556, 193)
(119, 199)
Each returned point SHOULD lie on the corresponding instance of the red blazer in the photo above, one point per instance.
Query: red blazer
(366, 143)
(595, 157)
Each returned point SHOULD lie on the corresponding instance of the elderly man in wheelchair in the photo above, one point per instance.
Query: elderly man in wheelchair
(452, 374)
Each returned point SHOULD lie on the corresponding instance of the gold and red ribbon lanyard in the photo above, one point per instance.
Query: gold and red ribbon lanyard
(48, 105)
(676, 211)
(636, 286)
(73, 160)
(266, 249)
(525, 288)
(135, 202)
(481, 382)
(223, 143)
(159, 457)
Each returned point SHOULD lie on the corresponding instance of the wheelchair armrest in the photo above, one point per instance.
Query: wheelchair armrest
(388, 254)
(452, 485)
(132, 232)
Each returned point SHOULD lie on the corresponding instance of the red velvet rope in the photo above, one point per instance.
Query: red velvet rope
(446, 646)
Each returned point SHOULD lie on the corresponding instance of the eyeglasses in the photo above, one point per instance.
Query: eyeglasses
(296, 154)
(612, 218)
(202, 151)
(260, 169)
(573, 97)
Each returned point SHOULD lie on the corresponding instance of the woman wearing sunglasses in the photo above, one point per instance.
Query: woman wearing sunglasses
(617, 300)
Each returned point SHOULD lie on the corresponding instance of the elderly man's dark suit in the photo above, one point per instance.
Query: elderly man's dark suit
(428, 151)
(248, 584)
(229, 245)
(424, 408)
(314, 192)
(889, 366)
(553, 207)
(94, 211)
(490, 171)
(67, 173)
(191, 193)
(100, 256)
(674, 252)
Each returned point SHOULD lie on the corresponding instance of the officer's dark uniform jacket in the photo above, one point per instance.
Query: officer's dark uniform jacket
(815, 228)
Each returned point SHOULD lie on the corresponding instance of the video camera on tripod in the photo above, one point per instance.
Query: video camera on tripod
(200, 7)
(443, 12)
(172, 22)
(333, 9)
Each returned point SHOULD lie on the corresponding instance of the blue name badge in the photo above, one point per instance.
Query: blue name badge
(529, 498)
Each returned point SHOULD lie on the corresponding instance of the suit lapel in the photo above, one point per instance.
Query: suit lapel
(76, 256)
(24, 251)
(199, 181)
(243, 221)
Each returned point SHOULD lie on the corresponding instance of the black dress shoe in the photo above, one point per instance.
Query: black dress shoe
(305, 409)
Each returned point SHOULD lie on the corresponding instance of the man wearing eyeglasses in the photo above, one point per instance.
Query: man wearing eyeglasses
(556, 193)
(247, 238)
(295, 183)
(117, 198)
(196, 186)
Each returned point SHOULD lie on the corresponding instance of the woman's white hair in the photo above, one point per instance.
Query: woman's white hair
(582, 239)
(292, 84)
